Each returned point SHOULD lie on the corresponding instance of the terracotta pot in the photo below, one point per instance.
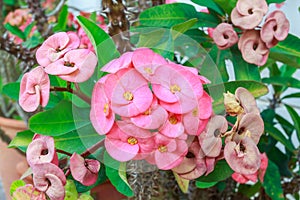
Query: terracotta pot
(107, 191)
(10, 159)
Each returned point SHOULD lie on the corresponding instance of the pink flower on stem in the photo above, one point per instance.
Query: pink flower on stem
(34, 89)
(225, 36)
(260, 173)
(131, 95)
(124, 146)
(275, 29)
(50, 179)
(249, 13)
(173, 126)
(168, 152)
(76, 66)
(41, 150)
(84, 170)
(55, 47)
(253, 49)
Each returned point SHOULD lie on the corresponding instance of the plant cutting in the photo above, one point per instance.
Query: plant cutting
(153, 103)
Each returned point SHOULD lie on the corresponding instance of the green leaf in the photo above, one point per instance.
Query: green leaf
(62, 20)
(71, 192)
(216, 91)
(294, 95)
(249, 190)
(15, 185)
(275, 1)
(28, 29)
(282, 81)
(15, 30)
(59, 120)
(12, 90)
(21, 140)
(9, 2)
(204, 185)
(242, 69)
(85, 197)
(183, 27)
(296, 119)
(227, 5)
(272, 182)
(113, 174)
(33, 41)
(286, 125)
(221, 172)
(281, 160)
(182, 183)
(211, 5)
(275, 133)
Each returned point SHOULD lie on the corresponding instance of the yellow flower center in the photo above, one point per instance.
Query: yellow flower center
(195, 112)
(128, 96)
(105, 108)
(147, 112)
(173, 120)
(175, 88)
(132, 140)
(163, 148)
(148, 70)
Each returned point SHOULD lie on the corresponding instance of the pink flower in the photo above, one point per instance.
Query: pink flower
(41, 150)
(28, 192)
(101, 114)
(243, 157)
(124, 146)
(177, 89)
(168, 152)
(242, 178)
(17, 17)
(249, 13)
(253, 49)
(224, 36)
(210, 140)
(76, 66)
(84, 170)
(123, 62)
(34, 89)
(196, 120)
(131, 95)
(173, 127)
(153, 118)
(50, 179)
(170, 1)
(279, 5)
(276, 28)
(55, 47)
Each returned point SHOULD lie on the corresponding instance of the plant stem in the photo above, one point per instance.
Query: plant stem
(92, 149)
(63, 152)
(76, 92)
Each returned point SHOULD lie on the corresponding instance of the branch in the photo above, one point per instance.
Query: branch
(75, 92)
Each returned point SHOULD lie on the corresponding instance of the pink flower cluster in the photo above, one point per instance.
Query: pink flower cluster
(48, 178)
(149, 108)
(254, 44)
(58, 55)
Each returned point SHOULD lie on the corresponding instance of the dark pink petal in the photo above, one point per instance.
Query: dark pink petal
(239, 178)
(84, 170)
(263, 167)
(119, 63)
(224, 36)
(244, 157)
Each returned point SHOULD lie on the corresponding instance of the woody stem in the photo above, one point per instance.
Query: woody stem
(76, 92)
(92, 149)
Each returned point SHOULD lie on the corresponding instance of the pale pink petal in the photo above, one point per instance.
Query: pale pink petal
(173, 127)
(119, 63)
(224, 36)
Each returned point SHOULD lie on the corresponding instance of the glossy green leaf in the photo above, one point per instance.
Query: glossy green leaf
(28, 29)
(33, 41)
(12, 90)
(59, 120)
(21, 140)
(216, 91)
(249, 190)
(285, 124)
(15, 185)
(242, 69)
(113, 174)
(70, 191)
(275, 1)
(275, 133)
(211, 5)
(221, 172)
(282, 81)
(272, 182)
(183, 27)
(182, 183)
(293, 95)
(281, 160)
(204, 185)
(10, 2)
(62, 19)
(85, 197)
(296, 119)
(226, 5)
(15, 30)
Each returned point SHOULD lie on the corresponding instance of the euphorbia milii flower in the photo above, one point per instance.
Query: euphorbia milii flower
(196, 120)
(101, 114)
(168, 152)
(50, 179)
(124, 146)
(34, 89)
(242, 178)
(276, 28)
(55, 47)
(131, 95)
(253, 49)
(249, 13)
(76, 66)
(243, 157)
(84, 170)
(242, 102)
(173, 126)
(41, 150)
(225, 36)
(210, 140)
(119, 63)
(193, 164)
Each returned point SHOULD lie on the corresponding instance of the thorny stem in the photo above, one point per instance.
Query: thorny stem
(63, 152)
(76, 92)
(92, 149)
